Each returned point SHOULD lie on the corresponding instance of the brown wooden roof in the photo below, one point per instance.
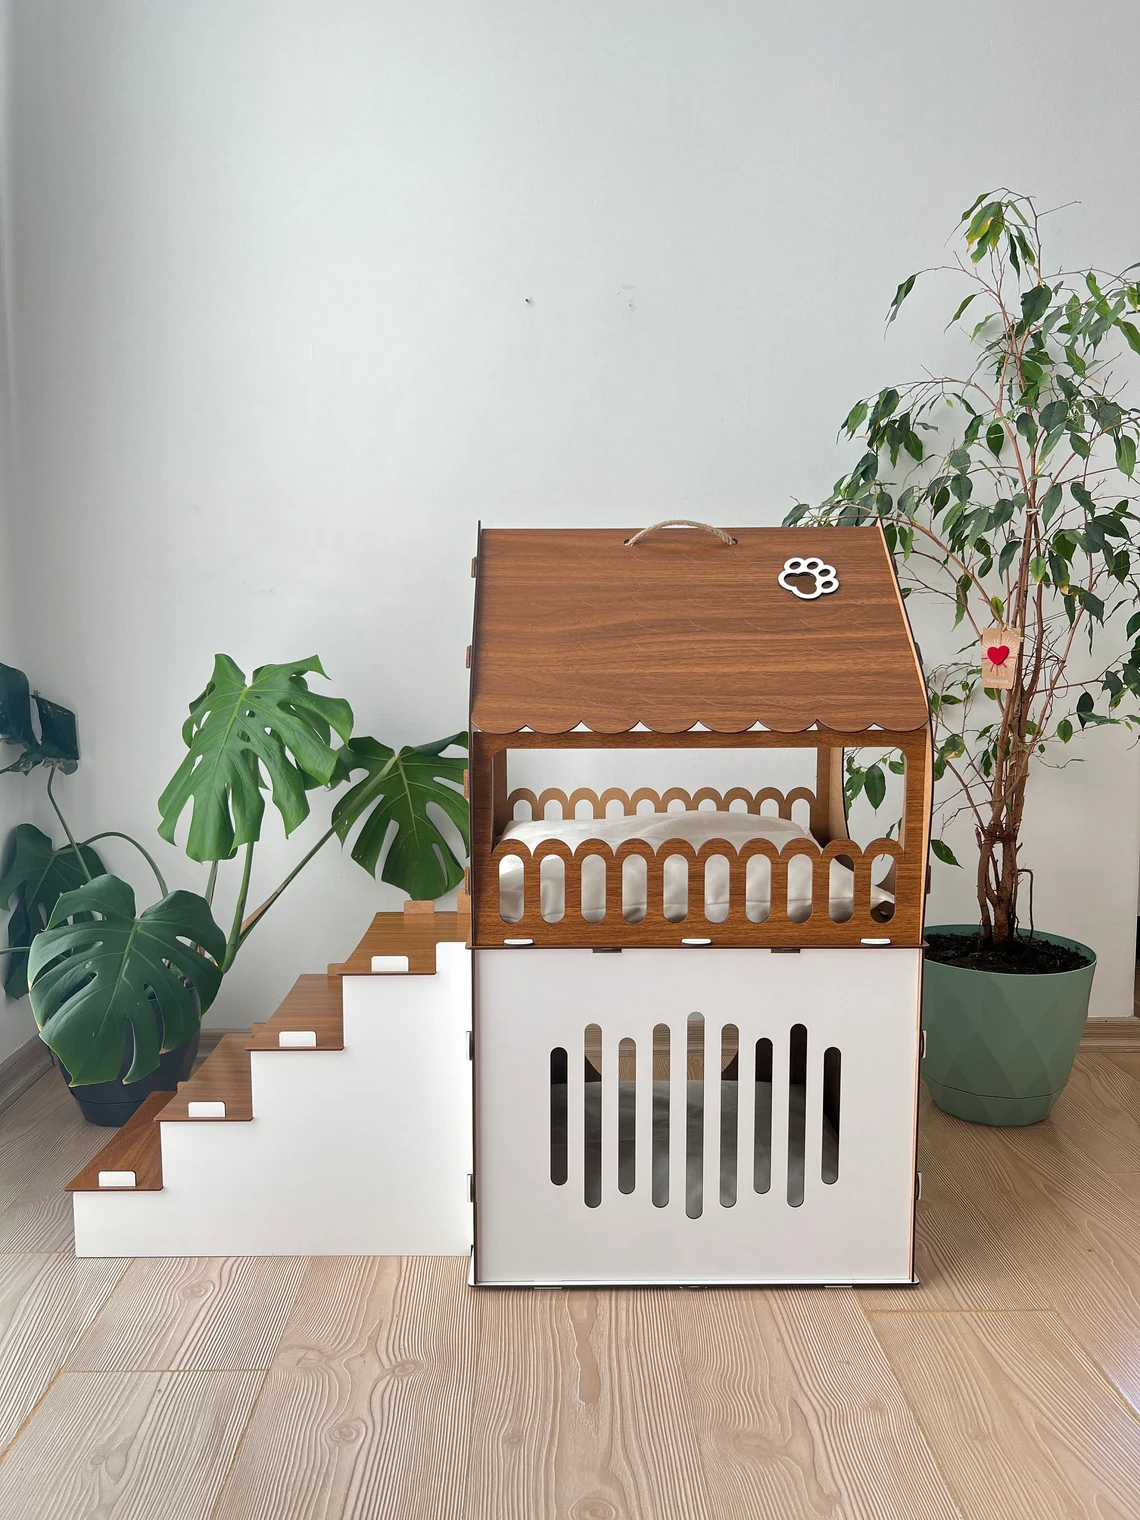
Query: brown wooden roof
(573, 627)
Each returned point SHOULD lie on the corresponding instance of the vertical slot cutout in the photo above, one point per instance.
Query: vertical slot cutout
(762, 1134)
(729, 1109)
(558, 1073)
(592, 1126)
(797, 1113)
(695, 1118)
(511, 895)
(661, 1115)
(634, 888)
(627, 1116)
(758, 888)
(675, 897)
(841, 889)
(716, 889)
(593, 870)
(552, 888)
(832, 1068)
(882, 890)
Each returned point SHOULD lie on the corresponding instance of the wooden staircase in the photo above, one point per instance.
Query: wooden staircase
(266, 1079)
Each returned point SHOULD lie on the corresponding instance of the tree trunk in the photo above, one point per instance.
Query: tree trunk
(998, 847)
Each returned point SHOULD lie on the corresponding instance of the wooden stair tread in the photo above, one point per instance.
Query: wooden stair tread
(313, 1003)
(414, 933)
(134, 1148)
(223, 1076)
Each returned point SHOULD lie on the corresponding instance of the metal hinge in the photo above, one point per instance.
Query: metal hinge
(470, 1044)
(922, 1046)
(470, 1187)
(917, 1186)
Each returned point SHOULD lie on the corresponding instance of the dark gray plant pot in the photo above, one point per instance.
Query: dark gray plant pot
(999, 1048)
(113, 1103)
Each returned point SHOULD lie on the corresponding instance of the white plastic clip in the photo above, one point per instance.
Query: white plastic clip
(389, 963)
(206, 1110)
(297, 1039)
(117, 1180)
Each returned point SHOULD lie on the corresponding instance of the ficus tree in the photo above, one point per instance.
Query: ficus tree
(1007, 493)
(106, 979)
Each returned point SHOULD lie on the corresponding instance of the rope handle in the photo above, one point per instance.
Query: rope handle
(681, 522)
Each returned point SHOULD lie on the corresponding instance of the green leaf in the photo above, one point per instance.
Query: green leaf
(995, 438)
(855, 417)
(1084, 707)
(943, 852)
(875, 785)
(1038, 568)
(1131, 334)
(16, 709)
(1035, 303)
(962, 308)
(1054, 415)
(1005, 558)
(900, 296)
(1064, 730)
(106, 983)
(59, 740)
(1050, 503)
(1125, 454)
(36, 876)
(399, 789)
(238, 732)
(1081, 496)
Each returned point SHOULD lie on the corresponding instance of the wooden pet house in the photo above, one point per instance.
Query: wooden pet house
(696, 999)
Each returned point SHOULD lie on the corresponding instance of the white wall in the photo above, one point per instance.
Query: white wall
(306, 289)
(17, 793)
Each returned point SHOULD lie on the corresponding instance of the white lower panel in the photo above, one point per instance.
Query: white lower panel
(363, 1151)
(864, 1003)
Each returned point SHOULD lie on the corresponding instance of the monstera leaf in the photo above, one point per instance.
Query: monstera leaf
(97, 969)
(240, 732)
(36, 876)
(397, 788)
(58, 742)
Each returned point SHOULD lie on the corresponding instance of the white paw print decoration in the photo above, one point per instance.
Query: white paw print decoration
(826, 579)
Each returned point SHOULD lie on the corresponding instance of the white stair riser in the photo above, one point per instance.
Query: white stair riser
(363, 1151)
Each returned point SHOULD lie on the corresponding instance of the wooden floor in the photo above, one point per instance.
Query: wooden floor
(1006, 1386)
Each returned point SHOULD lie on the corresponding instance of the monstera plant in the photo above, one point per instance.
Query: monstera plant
(116, 991)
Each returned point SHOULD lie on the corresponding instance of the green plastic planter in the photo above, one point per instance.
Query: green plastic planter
(999, 1048)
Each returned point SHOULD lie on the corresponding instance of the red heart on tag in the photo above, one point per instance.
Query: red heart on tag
(997, 654)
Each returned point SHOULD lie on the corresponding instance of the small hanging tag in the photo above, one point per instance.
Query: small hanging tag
(999, 657)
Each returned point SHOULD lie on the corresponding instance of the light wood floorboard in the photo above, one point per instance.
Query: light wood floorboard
(1021, 1421)
(44, 1140)
(128, 1446)
(46, 1303)
(798, 1413)
(1004, 1386)
(223, 1313)
(582, 1409)
(367, 1409)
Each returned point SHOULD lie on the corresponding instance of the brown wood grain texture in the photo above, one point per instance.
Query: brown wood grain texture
(1021, 1421)
(313, 1002)
(411, 933)
(367, 1409)
(224, 1076)
(127, 1446)
(219, 1313)
(47, 1301)
(798, 1413)
(908, 854)
(574, 627)
(134, 1148)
